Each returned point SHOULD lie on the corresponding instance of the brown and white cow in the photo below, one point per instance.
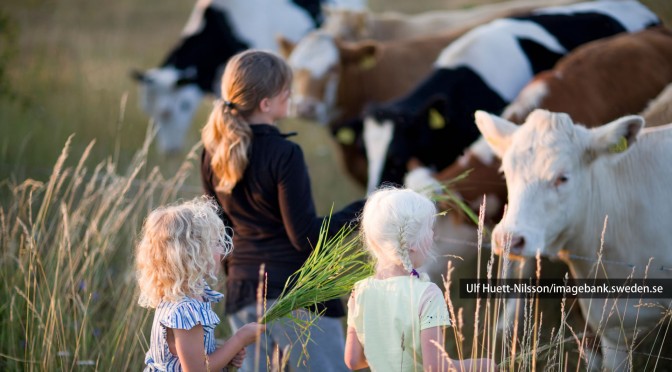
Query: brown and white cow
(602, 79)
(316, 60)
(357, 73)
(334, 79)
(563, 181)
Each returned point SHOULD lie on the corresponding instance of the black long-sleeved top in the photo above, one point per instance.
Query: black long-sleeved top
(273, 216)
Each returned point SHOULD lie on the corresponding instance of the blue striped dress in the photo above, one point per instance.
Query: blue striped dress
(183, 314)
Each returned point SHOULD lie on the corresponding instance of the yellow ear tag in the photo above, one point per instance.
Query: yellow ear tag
(346, 136)
(367, 62)
(436, 120)
(620, 146)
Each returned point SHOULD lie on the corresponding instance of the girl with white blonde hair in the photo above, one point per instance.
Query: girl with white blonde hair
(181, 246)
(396, 318)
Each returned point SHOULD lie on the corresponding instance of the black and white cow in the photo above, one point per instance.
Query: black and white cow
(216, 30)
(483, 70)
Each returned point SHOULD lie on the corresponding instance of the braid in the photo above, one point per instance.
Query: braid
(402, 249)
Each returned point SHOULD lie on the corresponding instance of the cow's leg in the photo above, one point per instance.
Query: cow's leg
(614, 355)
(513, 307)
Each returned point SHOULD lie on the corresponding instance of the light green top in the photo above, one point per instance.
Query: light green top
(388, 316)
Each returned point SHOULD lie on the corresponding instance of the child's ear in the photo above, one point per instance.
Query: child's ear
(264, 105)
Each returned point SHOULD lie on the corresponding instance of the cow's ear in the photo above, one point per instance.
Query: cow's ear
(361, 24)
(362, 54)
(285, 46)
(615, 137)
(496, 131)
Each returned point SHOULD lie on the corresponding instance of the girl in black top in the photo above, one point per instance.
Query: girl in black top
(261, 181)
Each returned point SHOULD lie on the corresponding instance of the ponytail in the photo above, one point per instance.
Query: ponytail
(227, 137)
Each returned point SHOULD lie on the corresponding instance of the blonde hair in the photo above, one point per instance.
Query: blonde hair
(394, 221)
(176, 250)
(249, 77)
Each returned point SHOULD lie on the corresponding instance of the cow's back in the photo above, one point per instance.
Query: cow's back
(607, 78)
(659, 110)
(399, 66)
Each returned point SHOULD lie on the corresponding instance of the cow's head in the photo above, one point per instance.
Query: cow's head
(386, 152)
(548, 163)
(317, 61)
(171, 97)
(171, 93)
(436, 132)
(348, 136)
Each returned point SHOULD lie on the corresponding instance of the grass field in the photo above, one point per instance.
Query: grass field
(66, 241)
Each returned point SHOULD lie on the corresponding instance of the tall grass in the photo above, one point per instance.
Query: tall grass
(68, 294)
(67, 287)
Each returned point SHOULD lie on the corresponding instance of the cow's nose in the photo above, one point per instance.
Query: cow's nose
(165, 116)
(517, 244)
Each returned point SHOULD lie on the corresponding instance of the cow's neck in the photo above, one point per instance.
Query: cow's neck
(207, 50)
(629, 193)
(353, 91)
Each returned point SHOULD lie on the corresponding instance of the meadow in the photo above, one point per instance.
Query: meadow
(78, 174)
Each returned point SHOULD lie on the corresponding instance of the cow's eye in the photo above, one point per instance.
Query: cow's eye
(560, 180)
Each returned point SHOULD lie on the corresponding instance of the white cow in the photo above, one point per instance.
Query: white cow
(563, 180)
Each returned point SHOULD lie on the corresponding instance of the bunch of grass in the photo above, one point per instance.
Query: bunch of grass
(330, 272)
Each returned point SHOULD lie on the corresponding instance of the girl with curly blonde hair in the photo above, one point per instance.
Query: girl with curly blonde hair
(182, 246)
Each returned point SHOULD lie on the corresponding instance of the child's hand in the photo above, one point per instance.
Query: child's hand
(237, 360)
(250, 332)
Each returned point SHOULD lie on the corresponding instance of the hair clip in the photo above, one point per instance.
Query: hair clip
(415, 273)
(229, 104)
